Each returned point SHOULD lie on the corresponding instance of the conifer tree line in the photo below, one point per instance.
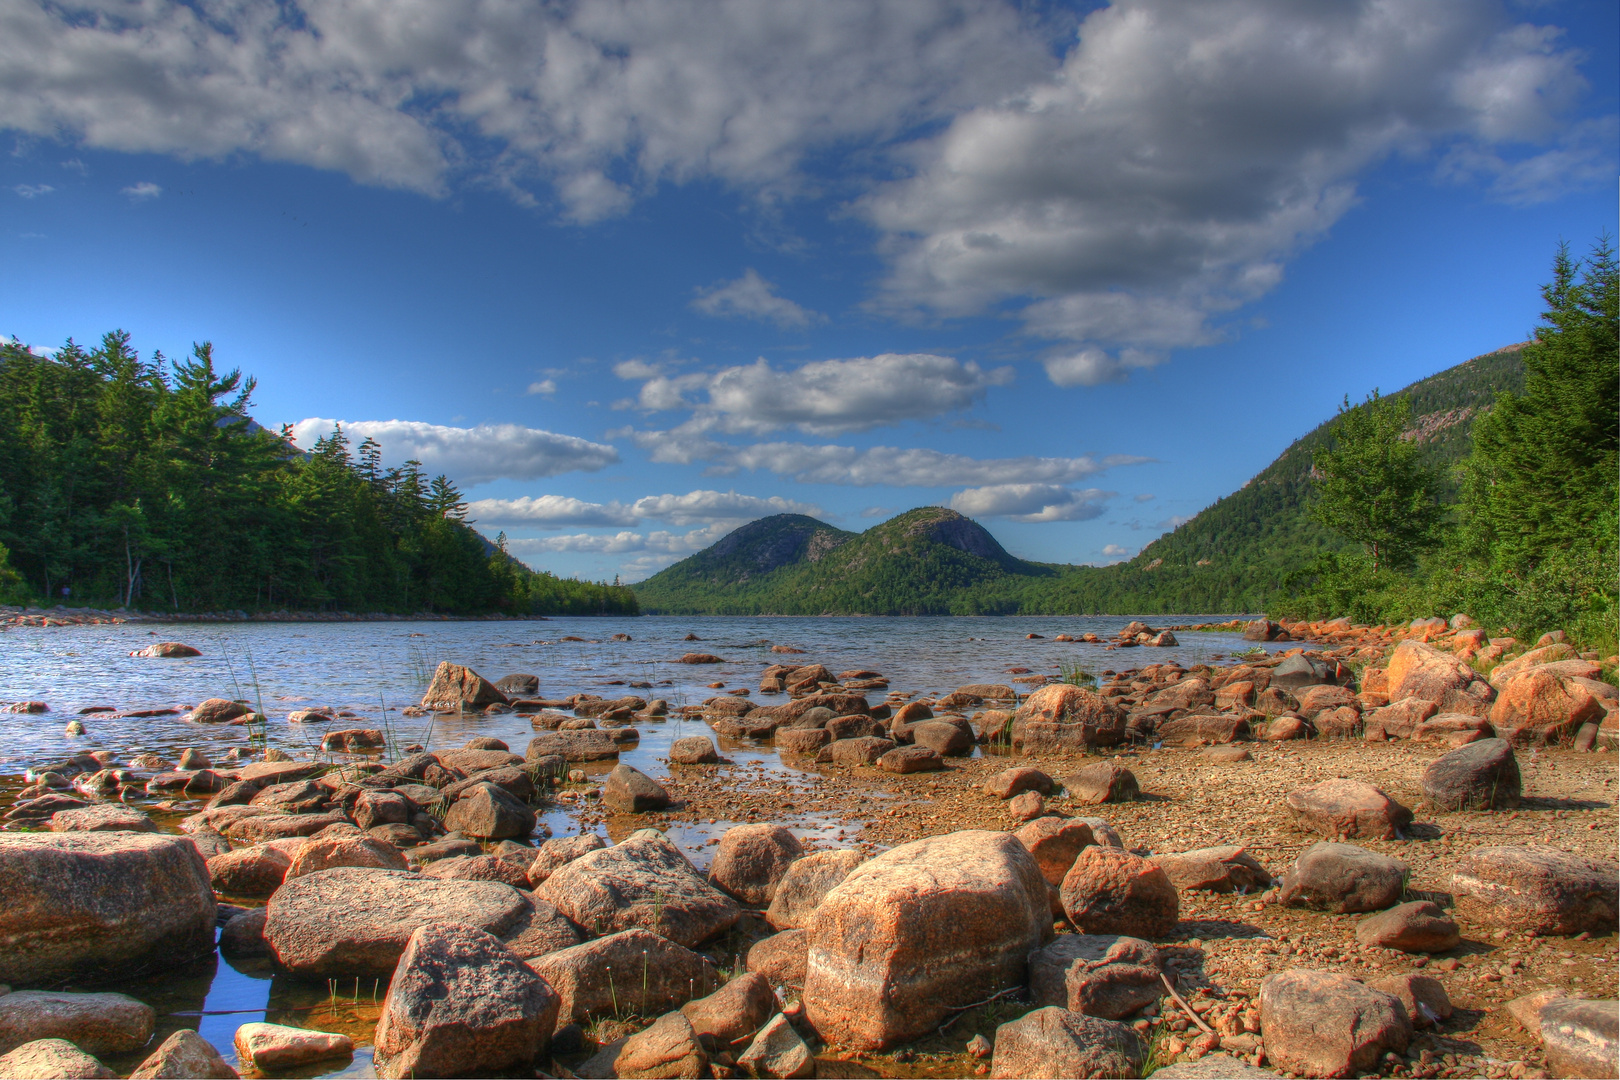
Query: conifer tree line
(146, 483)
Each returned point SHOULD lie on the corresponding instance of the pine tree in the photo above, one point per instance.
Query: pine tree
(1371, 486)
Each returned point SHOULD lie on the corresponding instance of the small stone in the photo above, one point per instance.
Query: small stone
(911, 759)
(275, 1046)
(1027, 806)
(1419, 926)
(777, 1051)
(1010, 782)
(979, 1046)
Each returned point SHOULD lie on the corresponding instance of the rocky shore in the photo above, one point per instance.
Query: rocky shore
(1387, 851)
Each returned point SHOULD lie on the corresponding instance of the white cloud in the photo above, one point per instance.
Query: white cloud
(1184, 152)
(1175, 522)
(1112, 550)
(142, 191)
(752, 297)
(558, 511)
(33, 191)
(1031, 503)
(824, 397)
(1093, 366)
(470, 456)
(545, 387)
(659, 542)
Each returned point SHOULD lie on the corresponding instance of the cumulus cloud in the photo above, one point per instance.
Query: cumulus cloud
(1182, 153)
(752, 297)
(659, 542)
(1113, 550)
(824, 397)
(142, 191)
(558, 511)
(1032, 503)
(470, 456)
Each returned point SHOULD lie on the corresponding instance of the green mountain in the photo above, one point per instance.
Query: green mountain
(1231, 557)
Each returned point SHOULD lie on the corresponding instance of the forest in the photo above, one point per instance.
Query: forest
(146, 483)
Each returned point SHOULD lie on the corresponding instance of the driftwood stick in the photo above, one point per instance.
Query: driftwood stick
(1186, 1008)
(960, 1009)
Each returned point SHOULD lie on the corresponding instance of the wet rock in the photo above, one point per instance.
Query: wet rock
(1418, 926)
(350, 740)
(559, 851)
(356, 850)
(911, 759)
(1482, 775)
(518, 685)
(1262, 630)
(217, 711)
(457, 687)
(573, 746)
(945, 739)
(100, 904)
(777, 1051)
(669, 1048)
(781, 958)
(1536, 888)
(700, 658)
(462, 1004)
(1115, 892)
(1322, 1023)
(103, 817)
(1537, 706)
(1580, 1037)
(633, 970)
(1343, 878)
(807, 741)
(275, 1046)
(928, 925)
(694, 750)
(167, 650)
(1010, 782)
(1054, 842)
(1422, 996)
(630, 791)
(249, 871)
(862, 751)
(643, 881)
(1228, 868)
(243, 935)
(1056, 1042)
(1102, 975)
(1102, 783)
(733, 1012)
(349, 922)
(805, 882)
(477, 868)
(853, 727)
(489, 812)
(1348, 809)
(95, 1023)
(751, 860)
(185, 1055)
(52, 1059)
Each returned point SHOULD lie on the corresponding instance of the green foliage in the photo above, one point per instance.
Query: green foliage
(1372, 487)
(145, 482)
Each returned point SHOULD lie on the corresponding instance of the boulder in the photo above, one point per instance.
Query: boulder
(1537, 889)
(1067, 705)
(217, 711)
(1274, 701)
(102, 904)
(1452, 730)
(630, 971)
(541, 930)
(642, 881)
(1318, 699)
(923, 927)
(862, 751)
(1056, 1042)
(1399, 719)
(1108, 891)
(1235, 695)
(101, 817)
(356, 850)
(95, 1023)
(1102, 975)
(1262, 630)
(1349, 810)
(1343, 878)
(1101, 783)
(1580, 1037)
(243, 934)
(1417, 926)
(351, 740)
(1482, 775)
(352, 922)
(777, 1051)
(1423, 671)
(781, 959)
(168, 650)
(911, 759)
(457, 687)
(1340, 723)
(374, 808)
(518, 685)
(1422, 996)
(471, 760)
(693, 750)
(477, 868)
(751, 860)
(804, 741)
(1537, 706)
(630, 791)
(268, 1047)
(853, 727)
(1299, 671)
(1292, 727)
(733, 1012)
(1547, 654)
(250, 871)
(262, 827)
(52, 1059)
(945, 739)
(1228, 868)
(1010, 782)
(558, 851)
(1193, 730)
(462, 1004)
(700, 658)
(1323, 1023)
(573, 746)
(668, 1048)
(488, 812)
(1054, 842)
(804, 882)
(185, 1055)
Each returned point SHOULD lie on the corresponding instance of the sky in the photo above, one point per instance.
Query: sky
(635, 272)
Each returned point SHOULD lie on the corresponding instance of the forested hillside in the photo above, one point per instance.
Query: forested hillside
(146, 483)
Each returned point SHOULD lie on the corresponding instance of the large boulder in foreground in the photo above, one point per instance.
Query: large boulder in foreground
(56, 1059)
(936, 923)
(642, 881)
(1537, 889)
(350, 922)
(456, 687)
(1582, 1038)
(1056, 1042)
(1345, 809)
(462, 1004)
(1482, 775)
(1323, 1023)
(100, 904)
(95, 1023)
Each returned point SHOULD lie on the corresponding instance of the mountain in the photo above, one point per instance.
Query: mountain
(1231, 557)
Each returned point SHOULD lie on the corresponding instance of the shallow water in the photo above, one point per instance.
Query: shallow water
(374, 669)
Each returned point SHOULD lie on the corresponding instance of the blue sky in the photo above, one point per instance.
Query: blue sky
(636, 273)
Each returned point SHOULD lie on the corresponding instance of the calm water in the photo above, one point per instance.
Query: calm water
(374, 669)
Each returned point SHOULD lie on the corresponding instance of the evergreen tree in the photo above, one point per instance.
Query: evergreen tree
(1372, 487)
